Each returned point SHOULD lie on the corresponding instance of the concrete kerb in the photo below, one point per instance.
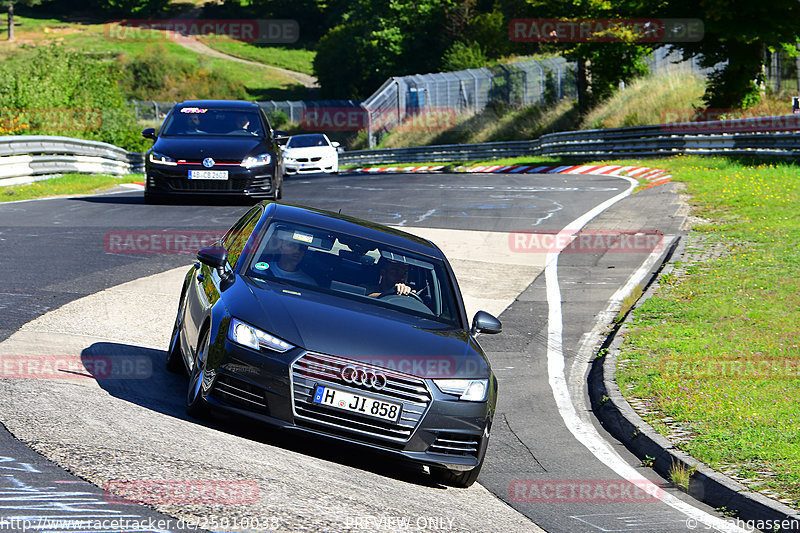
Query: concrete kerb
(621, 420)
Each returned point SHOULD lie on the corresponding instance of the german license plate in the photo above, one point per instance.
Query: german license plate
(208, 174)
(357, 403)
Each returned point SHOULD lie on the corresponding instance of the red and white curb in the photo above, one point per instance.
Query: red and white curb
(381, 170)
(652, 175)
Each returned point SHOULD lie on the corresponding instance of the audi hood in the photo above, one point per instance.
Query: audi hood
(360, 331)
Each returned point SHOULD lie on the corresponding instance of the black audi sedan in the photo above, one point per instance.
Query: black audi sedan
(214, 148)
(322, 323)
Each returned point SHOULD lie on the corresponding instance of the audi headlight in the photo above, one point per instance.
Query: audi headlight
(470, 390)
(246, 335)
(257, 160)
(161, 159)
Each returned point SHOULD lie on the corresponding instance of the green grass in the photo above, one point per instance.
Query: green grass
(298, 60)
(719, 349)
(495, 123)
(68, 184)
(650, 100)
(235, 80)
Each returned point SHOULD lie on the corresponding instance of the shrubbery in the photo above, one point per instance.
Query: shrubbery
(53, 91)
(155, 75)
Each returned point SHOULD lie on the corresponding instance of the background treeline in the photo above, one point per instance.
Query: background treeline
(360, 43)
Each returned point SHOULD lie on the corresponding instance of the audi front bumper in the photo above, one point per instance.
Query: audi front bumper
(432, 428)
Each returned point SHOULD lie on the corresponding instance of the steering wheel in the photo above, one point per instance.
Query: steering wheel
(393, 292)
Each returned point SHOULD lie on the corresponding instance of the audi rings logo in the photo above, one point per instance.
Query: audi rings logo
(361, 376)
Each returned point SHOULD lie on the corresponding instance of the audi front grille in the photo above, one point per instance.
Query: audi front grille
(314, 369)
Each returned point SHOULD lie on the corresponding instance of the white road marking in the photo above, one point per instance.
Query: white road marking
(584, 432)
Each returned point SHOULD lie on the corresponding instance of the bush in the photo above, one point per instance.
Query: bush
(461, 56)
(277, 118)
(53, 91)
(155, 75)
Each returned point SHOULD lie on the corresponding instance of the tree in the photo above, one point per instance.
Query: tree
(377, 39)
(617, 55)
(736, 35)
(10, 5)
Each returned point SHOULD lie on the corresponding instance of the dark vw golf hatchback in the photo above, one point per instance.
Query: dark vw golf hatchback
(215, 148)
(322, 323)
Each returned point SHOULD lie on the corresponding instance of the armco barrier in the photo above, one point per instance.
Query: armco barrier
(764, 136)
(39, 155)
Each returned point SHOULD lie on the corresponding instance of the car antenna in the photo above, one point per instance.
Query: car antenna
(340, 210)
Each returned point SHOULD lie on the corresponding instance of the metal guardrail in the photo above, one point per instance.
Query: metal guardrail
(764, 136)
(39, 155)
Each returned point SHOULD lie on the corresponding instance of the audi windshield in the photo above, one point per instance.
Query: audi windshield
(355, 268)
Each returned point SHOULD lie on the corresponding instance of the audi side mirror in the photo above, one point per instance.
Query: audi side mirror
(485, 323)
(149, 133)
(215, 257)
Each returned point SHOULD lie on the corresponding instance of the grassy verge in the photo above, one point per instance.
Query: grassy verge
(69, 184)
(178, 73)
(495, 123)
(716, 353)
(298, 60)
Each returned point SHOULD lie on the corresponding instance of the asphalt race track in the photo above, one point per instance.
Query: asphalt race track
(85, 277)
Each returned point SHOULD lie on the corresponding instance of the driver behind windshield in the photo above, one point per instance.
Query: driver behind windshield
(393, 276)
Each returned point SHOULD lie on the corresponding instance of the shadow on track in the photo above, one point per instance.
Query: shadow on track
(138, 375)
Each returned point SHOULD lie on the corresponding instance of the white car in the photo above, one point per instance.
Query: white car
(312, 152)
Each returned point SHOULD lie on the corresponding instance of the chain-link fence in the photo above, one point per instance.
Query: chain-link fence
(781, 69)
(467, 91)
(665, 61)
(782, 72)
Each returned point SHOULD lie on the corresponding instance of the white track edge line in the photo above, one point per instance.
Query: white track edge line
(585, 433)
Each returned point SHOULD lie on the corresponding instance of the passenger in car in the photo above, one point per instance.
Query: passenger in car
(287, 266)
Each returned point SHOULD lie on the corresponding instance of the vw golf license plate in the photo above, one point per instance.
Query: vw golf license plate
(208, 174)
(356, 403)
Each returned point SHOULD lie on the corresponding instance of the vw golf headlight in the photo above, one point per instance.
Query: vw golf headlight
(161, 159)
(257, 160)
(469, 390)
(246, 335)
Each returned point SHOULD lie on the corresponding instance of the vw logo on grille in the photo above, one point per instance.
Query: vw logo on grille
(361, 376)
(208, 162)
